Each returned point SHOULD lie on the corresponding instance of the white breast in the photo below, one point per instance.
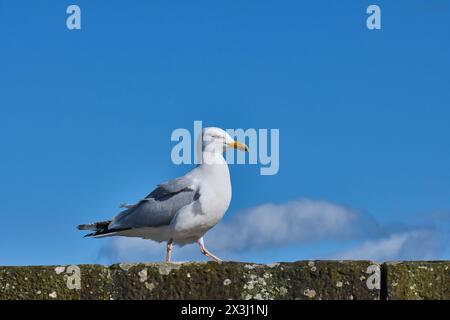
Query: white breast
(215, 195)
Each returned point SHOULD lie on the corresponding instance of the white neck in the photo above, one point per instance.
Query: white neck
(213, 158)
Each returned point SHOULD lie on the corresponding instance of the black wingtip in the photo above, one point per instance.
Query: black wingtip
(90, 226)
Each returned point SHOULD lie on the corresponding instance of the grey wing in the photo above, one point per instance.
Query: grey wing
(159, 207)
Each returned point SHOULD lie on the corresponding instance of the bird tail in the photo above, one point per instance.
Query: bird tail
(100, 227)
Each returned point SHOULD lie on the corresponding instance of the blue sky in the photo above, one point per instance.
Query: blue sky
(86, 118)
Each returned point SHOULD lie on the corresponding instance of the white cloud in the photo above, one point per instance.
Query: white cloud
(296, 222)
(410, 245)
(271, 226)
(265, 226)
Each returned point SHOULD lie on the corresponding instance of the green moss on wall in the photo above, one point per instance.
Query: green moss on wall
(417, 280)
(228, 280)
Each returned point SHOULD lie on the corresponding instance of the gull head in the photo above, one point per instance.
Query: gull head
(216, 140)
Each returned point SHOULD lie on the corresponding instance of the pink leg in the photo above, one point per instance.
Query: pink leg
(169, 250)
(206, 252)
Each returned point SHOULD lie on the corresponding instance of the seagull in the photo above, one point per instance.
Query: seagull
(182, 210)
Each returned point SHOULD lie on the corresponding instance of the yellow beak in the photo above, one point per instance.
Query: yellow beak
(239, 145)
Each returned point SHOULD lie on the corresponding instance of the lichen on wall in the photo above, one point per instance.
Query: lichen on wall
(417, 280)
(303, 280)
(228, 280)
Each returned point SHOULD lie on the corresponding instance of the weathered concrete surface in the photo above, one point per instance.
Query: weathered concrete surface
(416, 280)
(229, 280)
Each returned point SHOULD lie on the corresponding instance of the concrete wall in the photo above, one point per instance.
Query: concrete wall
(230, 280)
